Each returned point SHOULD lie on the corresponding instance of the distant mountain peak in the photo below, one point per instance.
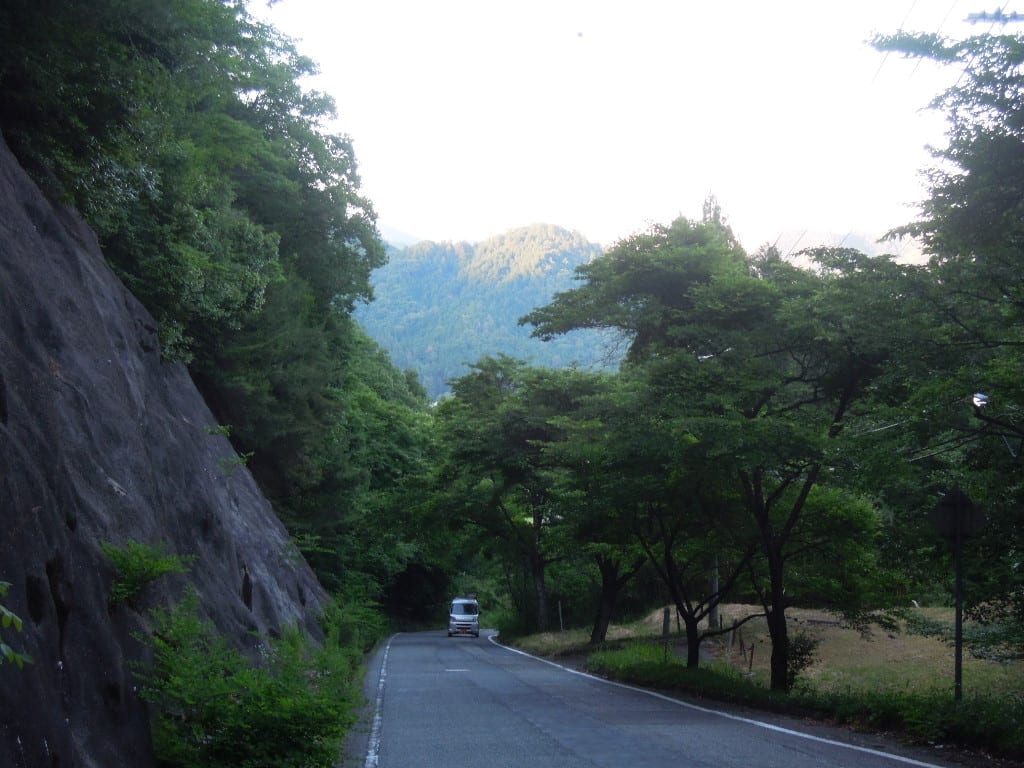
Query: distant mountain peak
(442, 306)
(530, 252)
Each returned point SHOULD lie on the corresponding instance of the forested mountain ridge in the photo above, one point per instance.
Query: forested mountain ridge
(441, 306)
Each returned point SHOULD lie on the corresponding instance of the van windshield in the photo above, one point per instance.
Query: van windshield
(465, 609)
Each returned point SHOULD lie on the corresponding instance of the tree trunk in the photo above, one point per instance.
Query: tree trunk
(605, 608)
(780, 650)
(713, 592)
(540, 589)
(538, 566)
(611, 583)
(777, 629)
(693, 638)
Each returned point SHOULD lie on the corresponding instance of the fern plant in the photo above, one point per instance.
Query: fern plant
(212, 707)
(136, 565)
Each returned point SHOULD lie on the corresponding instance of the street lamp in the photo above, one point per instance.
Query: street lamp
(956, 517)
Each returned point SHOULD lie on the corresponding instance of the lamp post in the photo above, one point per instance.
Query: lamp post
(956, 517)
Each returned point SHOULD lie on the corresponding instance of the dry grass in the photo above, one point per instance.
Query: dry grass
(880, 661)
(845, 660)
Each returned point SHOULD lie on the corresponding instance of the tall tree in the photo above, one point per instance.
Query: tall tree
(595, 456)
(761, 362)
(183, 132)
(971, 226)
(497, 427)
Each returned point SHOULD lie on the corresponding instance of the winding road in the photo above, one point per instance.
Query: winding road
(439, 701)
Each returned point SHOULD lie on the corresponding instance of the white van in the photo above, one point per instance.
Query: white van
(464, 617)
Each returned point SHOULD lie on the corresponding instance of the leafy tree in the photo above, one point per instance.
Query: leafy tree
(185, 136)
(496, 427)
(132, 87)
(599, 446)
(647, 498)
(761, 362)
(492, 436)
(971, 227)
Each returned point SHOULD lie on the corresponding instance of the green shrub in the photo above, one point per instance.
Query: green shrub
(355, 622)
(509, 624)
(213, 708)
(803, 649)
(136, 565)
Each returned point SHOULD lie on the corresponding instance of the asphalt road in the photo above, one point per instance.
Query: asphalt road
(439, 701)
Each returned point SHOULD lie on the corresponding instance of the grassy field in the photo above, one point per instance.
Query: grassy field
(887, 680)
(882, 660)
(844, 659)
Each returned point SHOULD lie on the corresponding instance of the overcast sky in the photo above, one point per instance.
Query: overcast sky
(471, 117)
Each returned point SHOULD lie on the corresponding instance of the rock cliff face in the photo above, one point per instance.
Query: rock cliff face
(100, 441)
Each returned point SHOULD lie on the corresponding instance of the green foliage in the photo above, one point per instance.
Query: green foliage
(360, 485)
(213, 708)
(801, 655)
(509, 623)
(630, 655)
(441, 306)
(352, 621)
(228, 464)
(136, 565)
(499, 476)
(995, 641)
(184, 135)
(647, 665)
(971, 226)
(748, 369)
(8, 619)
(979, 722)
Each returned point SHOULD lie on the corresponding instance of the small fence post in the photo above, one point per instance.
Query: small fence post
(666, 628)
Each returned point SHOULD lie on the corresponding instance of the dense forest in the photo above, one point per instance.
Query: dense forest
(181, 133)
(788, 430)
(438, 307)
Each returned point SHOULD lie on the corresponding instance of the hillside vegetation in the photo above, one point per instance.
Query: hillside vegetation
(439, 307)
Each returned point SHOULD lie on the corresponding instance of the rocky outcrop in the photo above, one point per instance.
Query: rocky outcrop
(101, 441)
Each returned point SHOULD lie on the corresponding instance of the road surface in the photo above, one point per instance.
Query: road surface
(440, 701)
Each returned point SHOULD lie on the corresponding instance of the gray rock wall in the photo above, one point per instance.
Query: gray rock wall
(101, 441)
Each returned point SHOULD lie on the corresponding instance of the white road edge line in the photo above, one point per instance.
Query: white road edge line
(747, 720)
(373, 747)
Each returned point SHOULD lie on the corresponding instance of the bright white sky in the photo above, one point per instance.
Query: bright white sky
(472, 117)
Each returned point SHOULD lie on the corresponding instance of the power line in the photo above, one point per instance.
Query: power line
(900, 29)
(941, 25)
